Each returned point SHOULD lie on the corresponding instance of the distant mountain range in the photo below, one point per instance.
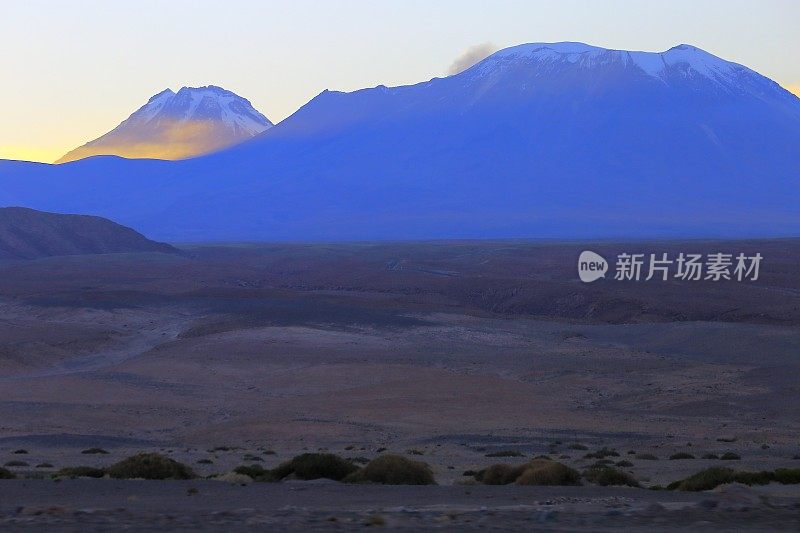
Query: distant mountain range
(29, 234)
(191, 122)
(560, 140)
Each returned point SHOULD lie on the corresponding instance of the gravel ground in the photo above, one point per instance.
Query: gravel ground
(72, 505)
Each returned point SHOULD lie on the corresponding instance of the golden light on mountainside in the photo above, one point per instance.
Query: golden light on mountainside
(794, 89)
(179, 140)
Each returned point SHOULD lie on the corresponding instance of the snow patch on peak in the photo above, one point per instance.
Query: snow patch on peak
(202, 103)
(655, 64)
(545, 49)
(154, 105)
(699, 60)
(166, 93)
(651, 64)
(211, 90)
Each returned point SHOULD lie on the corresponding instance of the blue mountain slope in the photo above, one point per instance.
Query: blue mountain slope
(561, 140)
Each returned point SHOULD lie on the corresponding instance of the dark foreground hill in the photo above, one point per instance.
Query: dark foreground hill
(29, 234)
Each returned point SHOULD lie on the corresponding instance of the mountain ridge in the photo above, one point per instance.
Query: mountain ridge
(533, 148)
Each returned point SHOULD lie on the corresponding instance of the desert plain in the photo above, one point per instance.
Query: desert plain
(460, 354)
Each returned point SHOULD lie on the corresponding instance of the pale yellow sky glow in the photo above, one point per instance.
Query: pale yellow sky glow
(80, 67)
(42, 154)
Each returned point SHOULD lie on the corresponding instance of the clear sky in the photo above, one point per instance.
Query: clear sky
(72, 70)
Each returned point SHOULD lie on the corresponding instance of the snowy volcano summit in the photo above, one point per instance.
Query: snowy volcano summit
(191, 122)
(684, 58)
(682, 65)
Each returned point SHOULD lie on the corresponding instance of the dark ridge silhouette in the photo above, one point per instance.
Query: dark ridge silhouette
(30, 234)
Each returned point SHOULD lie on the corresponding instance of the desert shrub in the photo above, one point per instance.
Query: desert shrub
(393, 470)
(788, 476)
(205, 462)
(16, 463)
(251, 457)
(44, 465)
(539, 471)
(471, 473)
(358, 460)
(711, 456)
(150, 466)
(602, 462)
(268, 452)
(754, 478)
(6, 474)
(713, 477)
(500, 474)
(20, 452)
(94, 451)
(551, 473)
(375, 520)
(705, 479)
(647, 457)
(315, 466)
(624, 464)
(506, 453)
(602, 453)
(257, 472)
(730, 456)
(577, 446)
(607, 476)
(680, 455)
(80, 471)
(414, 451)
